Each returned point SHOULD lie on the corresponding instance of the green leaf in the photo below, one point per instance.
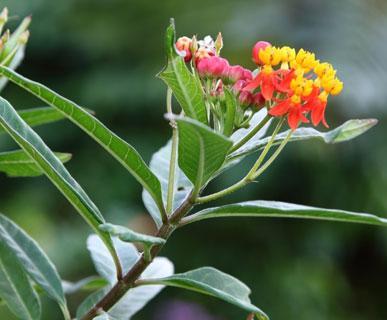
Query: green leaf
(88, 284)
(103, 316)
(136, 298)
(32, 258)
(15, 287)
(202, 151)
(214, 283)
(38, 116)
(90, 301)
(127, 235)
(275, 209)
(18, 164)
(42, 115)
(159, 164)
(117, 147)
(231, 105)
(45, 159)
(347, 131)
(103, 261)
(185, 86)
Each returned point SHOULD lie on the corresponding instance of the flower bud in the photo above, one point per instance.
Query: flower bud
(245, 98)
(258, 100)
(260, 45)
(219, 43)
(238, 86)
(183, 45)
(3, 18)
(212, 67)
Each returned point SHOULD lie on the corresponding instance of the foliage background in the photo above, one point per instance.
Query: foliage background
(104, 54)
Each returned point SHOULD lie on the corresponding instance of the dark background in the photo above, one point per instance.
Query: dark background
(104, 54)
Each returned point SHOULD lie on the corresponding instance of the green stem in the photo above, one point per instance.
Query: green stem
(251, 134)
(172, 163)
(273, 156)
(66, 312)
(250, 175)
(262, 156)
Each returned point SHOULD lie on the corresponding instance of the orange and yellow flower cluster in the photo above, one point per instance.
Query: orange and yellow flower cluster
(296, 83)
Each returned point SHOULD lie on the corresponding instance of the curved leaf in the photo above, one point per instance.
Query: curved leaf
(215, 283)
(127, 235)
(33, 259)
(347, 131)
(34, 146)
(202, 151)
(88, 284)
(19, 164)
(117, 147)
(15, 287)
(159, 164)
(185, 86)
(275, 209)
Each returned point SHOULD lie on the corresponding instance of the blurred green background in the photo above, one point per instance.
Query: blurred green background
(104, 54)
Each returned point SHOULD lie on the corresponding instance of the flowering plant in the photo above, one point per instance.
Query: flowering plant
(225, 113)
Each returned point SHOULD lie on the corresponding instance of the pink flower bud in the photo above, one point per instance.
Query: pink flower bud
(183, 45)
(238, 86)
(235, 73)
(245, 98)
(212, 67)
(260, 45)
(258, 100)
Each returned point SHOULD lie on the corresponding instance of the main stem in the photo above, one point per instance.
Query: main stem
(128, 281)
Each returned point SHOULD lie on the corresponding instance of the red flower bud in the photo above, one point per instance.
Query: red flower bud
(258, 100)
(245, 98)
(212, 67)
(183, 45)
(260, 45)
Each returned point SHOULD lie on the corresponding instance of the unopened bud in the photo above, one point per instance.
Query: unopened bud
(183, 45)
(3, 18)
(260, 45)
(219, 43)
(23, 39)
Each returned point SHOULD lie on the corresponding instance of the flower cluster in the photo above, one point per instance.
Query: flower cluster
(288, 83)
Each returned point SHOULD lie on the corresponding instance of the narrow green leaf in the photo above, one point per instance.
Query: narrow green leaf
(202, 151)
(15, 287)
(127, 235)
(215, 283)
(42, 115)
(88, 284)
(35, 147)
(275, 209)
(347, 131)
(32, 257)
(117, 147)
(90, 301)
(38, 116)
(231, 105)
(18, 164)
(185, 86)
(159, 164)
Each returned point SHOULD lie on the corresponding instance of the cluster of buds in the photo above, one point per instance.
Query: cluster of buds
(286, 82)
(10, 44)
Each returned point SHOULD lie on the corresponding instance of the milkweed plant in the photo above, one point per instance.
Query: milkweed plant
(223, 114)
